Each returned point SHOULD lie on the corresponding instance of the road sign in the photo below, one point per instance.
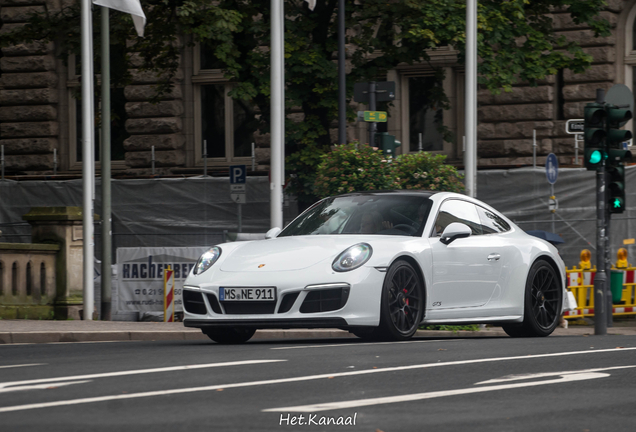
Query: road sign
(384, 91)
(553, 204)
(575, 126)
(552, 168)
(375, 116)
(237, 183)
(237, 174)
(238, 198)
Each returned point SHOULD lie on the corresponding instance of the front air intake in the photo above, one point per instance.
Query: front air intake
(325, 300)
(193, 302)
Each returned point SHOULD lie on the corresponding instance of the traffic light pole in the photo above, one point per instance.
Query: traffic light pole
(600, 280)
(608, 257)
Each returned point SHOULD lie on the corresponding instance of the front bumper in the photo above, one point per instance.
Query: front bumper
(272, 323)
(303, 300)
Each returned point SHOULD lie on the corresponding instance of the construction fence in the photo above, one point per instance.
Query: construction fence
(198, 211)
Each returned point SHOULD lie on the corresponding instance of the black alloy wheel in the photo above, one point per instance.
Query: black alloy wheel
(229, 335)
(402, 302)
(542, 306)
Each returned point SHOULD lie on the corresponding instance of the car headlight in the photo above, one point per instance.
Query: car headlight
(352, 258)
(207, 260)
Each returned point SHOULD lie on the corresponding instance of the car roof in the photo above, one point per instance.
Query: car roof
(407, 192)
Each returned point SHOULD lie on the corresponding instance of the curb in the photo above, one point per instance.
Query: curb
(38, 337)
(34, 337)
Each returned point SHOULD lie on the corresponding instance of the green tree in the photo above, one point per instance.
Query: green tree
(516, 42)
(426, 171)
(351, 168)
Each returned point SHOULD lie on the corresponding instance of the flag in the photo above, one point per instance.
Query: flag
(133, 7)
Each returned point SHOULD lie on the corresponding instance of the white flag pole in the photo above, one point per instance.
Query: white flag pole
(277, 127)
(470, 157)
(87, 151)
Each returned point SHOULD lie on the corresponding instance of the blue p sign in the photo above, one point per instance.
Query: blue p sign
(237, 174)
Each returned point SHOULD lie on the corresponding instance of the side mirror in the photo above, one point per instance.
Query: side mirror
(455, 231)
(272, 233)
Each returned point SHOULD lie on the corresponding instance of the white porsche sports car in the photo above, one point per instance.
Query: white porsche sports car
(380, 264)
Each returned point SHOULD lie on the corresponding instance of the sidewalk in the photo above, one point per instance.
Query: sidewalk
(29, 331)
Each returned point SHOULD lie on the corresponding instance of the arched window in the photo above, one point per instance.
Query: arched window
(29, 279)
(14, 279)
(42, 279)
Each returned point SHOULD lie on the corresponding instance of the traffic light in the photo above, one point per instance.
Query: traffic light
(616, 188)
(615, 137)
(594, 135)
(387, 143)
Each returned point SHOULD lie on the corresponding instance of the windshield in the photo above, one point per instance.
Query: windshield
(363, 214)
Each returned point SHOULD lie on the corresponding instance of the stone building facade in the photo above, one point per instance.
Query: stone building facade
(40, 118)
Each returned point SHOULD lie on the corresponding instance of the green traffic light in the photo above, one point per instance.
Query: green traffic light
(617, 203)
(595, 157)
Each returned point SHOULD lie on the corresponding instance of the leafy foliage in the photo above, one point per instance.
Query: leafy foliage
(302, 165)
(426, 171)
(353, 167)
(516, 42)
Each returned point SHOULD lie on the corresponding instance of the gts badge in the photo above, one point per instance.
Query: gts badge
(437, 304)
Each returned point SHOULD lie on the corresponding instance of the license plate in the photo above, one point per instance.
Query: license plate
(247, 294)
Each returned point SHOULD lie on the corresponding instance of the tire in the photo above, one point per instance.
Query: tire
(229, 335)
(402, 302)
(542, 303)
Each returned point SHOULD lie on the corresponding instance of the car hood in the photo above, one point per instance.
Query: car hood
(285, 253)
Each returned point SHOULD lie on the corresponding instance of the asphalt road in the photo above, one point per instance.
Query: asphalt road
(480, 384)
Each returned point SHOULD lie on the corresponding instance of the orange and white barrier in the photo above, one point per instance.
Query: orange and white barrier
(581, 283)
(168, 295)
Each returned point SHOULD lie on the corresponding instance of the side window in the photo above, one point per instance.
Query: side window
(491, 223)
(457, 211)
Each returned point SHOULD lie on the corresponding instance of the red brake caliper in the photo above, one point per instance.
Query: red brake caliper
(407, 300)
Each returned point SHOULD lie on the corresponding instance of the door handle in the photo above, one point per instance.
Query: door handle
(494, 257)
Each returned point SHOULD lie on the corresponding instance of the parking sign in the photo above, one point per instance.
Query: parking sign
(237, 174)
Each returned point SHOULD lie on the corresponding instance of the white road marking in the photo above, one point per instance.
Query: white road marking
(564, 378)
(290, 380)
(135, 372)
(41, 386)
(365, 343)
(22, 365)
(545, 375)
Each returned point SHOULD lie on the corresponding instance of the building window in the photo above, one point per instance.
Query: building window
(118, 117)
(42, 279)
(423, 119)
(629, 59)
(14, 279)
(426, 120)
(29, 279)
(559, 99)
(225, 128)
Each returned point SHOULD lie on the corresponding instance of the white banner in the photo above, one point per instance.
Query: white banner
(140, 276)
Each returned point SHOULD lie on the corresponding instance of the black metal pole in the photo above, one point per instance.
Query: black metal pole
(600, 280)
(342, 79)
(608, 258)
(372, 108)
